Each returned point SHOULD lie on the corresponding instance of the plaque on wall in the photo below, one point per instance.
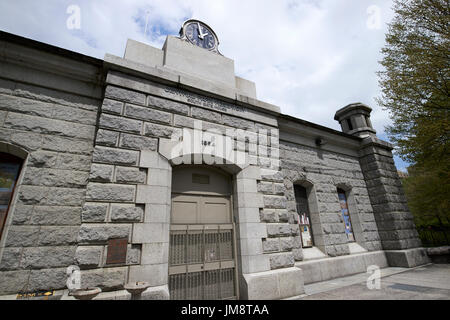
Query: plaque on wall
(117, 251)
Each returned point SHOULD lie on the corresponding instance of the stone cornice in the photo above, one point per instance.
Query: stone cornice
(188, 82)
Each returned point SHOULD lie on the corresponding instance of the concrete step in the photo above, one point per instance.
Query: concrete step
(322, 269)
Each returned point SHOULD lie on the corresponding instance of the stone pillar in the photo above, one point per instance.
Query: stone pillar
(397, 232)
(153, 233)
(250, 230)
(395, 223)
(268, 269)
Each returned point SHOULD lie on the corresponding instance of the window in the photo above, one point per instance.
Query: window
(9, 172)
(369, 124)
(301, 200)
(349, 124)
(346, 215)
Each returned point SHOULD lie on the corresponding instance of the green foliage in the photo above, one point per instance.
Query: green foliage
(415, 87)
(415, 81)
(427, 193)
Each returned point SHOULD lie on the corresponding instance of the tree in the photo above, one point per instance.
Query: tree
(415, 87)
(428, 196)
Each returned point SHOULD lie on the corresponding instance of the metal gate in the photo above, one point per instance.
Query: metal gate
(201, 256)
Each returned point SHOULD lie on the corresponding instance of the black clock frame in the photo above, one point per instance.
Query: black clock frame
(184, 37)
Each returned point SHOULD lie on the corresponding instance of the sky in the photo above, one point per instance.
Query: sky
(309, 57)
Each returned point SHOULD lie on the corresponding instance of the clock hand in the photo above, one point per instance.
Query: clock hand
(200, 33)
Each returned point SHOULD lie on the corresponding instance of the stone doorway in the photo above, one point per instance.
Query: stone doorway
(202, 254)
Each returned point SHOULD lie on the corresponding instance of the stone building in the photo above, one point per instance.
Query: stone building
(162, 166)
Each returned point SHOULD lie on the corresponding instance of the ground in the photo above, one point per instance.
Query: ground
(429, 282)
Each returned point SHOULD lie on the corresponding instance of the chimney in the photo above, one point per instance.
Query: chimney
(355, 120)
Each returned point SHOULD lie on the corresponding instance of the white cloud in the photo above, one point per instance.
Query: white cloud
(310, 57)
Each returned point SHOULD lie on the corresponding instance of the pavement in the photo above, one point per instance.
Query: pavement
(428, 282)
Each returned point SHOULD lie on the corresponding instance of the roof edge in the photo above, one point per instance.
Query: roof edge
(27, 42)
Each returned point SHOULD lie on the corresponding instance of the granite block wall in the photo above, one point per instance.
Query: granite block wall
(56, 131)
(135, 115)
(324, 172)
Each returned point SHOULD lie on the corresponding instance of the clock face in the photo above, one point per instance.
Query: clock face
(200, 35)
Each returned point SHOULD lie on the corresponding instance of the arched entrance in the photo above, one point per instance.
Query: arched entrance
(202, 255)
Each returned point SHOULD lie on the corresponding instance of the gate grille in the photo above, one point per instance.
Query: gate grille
(201, 263)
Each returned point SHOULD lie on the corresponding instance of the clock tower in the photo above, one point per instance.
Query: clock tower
(194, 55)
